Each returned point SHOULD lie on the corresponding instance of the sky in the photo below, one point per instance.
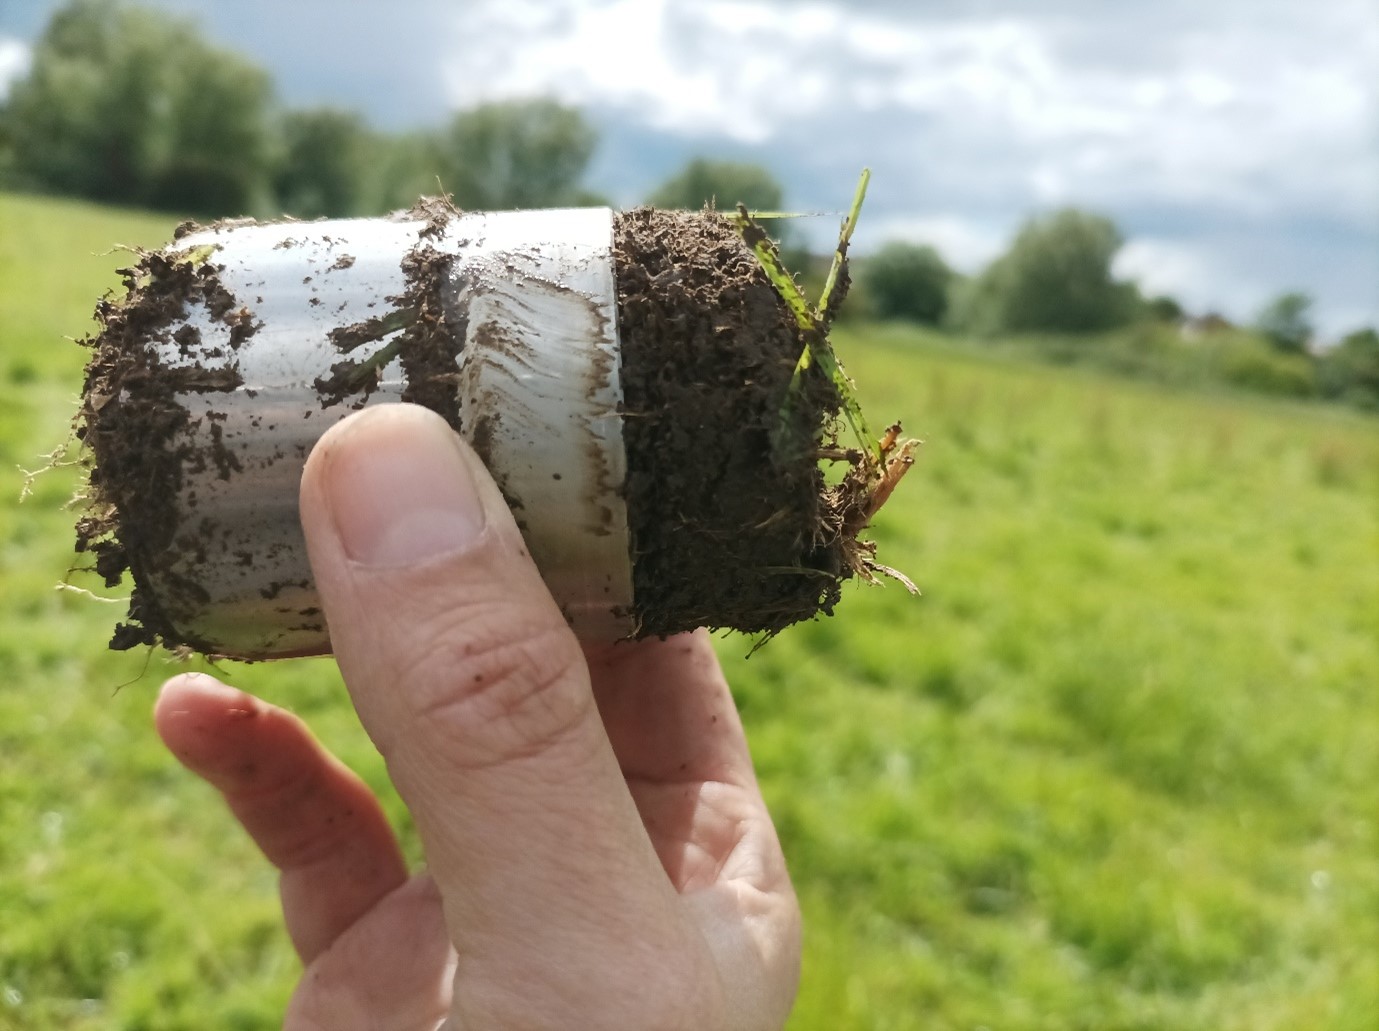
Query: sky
(1234, 142)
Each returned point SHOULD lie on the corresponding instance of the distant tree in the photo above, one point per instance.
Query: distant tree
(221, 129)
(972, 306)
(1350, 370)
(516, 154)
(1056, 277)
(725, 184)
(1248, 360)
(323, 166)
(124, 104)
(1164, 309)
(8, 176)
(399, 169)
(907, 281)
(1284, 322)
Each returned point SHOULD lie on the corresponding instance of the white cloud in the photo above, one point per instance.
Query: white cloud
(1275, 108)
(719, 67)
(1220, 131)
(966, 244)
(1237, 277)
(1183, 271)
(14, 62)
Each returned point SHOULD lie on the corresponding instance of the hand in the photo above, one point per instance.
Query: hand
(598, 853)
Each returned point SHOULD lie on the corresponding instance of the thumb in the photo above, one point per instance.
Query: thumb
(476, 693)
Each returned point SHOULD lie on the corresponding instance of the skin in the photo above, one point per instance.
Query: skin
(598, 854)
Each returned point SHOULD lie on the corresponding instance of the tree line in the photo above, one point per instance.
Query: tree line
(1054, 293)
(126, 105)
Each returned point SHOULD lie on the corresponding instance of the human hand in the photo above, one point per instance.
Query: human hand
(598, 853)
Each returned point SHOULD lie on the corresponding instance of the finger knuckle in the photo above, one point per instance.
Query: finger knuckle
(498, 688)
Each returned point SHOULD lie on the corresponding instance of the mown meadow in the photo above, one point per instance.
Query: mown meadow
(1116, 768)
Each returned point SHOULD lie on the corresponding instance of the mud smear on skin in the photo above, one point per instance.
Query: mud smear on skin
(726, 532)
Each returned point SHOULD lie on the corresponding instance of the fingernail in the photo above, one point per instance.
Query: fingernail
(399, 490)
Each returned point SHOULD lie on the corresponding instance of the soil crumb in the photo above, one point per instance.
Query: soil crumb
(727, 530)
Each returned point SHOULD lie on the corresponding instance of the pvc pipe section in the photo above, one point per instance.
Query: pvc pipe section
(529, 298)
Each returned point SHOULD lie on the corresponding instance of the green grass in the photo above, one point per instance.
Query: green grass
(1117, 768)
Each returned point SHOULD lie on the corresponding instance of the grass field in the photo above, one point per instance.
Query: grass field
(1118, 768)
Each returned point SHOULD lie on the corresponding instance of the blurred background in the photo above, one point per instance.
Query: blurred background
(1117, 767)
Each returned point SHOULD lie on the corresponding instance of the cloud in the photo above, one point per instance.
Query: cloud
(1215, 134)
(1183, 271)
(1234, 118)
(1238, 271)
(966, 244)
(15, 57)
(715, 68)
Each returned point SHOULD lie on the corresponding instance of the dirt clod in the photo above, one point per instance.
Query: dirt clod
(727, 530)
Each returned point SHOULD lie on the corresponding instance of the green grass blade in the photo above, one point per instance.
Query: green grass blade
(757, 239)
(813, 323)
(840, 254)
(821, 351)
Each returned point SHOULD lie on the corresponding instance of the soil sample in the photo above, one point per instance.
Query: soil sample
(727, 530)
(633, 381)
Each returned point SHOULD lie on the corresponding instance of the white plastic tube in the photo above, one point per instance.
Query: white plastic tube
(531, 299)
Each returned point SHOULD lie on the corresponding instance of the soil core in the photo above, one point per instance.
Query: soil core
(727, 531)
(730, 521)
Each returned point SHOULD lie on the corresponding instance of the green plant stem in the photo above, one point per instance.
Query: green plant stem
(840, 253)
(814, 323)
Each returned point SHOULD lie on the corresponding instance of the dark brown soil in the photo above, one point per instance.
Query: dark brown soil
(432, 336)
(727, 530)
(431, 345)
(133, 427)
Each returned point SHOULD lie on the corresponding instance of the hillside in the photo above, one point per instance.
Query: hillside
(1118, 767)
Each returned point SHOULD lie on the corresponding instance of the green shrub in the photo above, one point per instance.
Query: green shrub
(515, 154)
(1056, 277)
(726, 184)
(907, 281)
(721, 183)
(322, 168)
(1350, 370)
(1284, 322)
(1246, 360)
(125, 104)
